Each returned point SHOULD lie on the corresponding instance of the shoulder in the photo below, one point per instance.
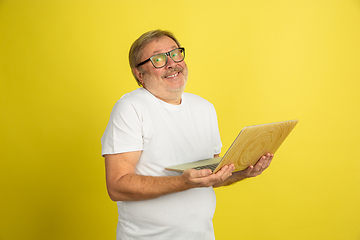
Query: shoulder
(139, 94)
(135, 98)
(196, 100)
(130, 103)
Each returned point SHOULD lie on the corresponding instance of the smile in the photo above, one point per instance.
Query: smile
(172, 76)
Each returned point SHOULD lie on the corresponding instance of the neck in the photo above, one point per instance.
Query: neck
(171, 101)
(173, 98)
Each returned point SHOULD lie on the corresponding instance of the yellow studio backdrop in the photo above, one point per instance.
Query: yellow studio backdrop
(63, 65)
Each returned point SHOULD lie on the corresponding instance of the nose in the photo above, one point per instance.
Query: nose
(170, 63)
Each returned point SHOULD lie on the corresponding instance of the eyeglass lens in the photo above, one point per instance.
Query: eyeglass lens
(160, 60)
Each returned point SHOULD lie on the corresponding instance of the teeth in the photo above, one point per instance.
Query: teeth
(174, 75)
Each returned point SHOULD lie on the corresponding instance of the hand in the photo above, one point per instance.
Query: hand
(260, 166)
(251, 171)
(204, 178)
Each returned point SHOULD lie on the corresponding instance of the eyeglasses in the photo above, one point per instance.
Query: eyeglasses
(160, 60)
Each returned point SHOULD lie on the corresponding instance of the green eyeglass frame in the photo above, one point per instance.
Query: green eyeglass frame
(160, 60)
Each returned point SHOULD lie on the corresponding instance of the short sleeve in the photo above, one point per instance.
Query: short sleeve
(124, 130)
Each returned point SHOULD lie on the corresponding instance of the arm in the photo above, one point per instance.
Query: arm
(251, 171)
(124, 184)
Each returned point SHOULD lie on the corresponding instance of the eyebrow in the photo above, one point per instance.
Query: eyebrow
(173, 47)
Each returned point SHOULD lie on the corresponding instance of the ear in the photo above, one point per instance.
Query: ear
(139, 75)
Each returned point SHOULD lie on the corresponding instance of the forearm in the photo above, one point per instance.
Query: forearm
(133, 187)
(124, 185)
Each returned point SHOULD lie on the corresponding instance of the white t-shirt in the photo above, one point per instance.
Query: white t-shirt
(167, 135)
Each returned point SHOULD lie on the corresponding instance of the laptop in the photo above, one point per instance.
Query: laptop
(249, 146)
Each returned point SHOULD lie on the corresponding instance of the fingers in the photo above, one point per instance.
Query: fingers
(225, 172)
(194, 176)
(264, 162)
(260, 166)
(205, 178)
(200, 173)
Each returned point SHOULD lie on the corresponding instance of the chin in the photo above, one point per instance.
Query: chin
(178, 89)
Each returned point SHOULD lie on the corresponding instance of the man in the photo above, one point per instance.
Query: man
(156, 126)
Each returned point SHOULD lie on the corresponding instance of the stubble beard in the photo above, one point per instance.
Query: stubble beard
(181, 70)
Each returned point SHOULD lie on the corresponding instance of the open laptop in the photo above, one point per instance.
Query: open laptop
(249, 146)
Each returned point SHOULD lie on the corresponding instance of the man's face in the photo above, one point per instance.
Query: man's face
(167, 82)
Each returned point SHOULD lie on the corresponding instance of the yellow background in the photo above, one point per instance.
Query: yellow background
(63, 65)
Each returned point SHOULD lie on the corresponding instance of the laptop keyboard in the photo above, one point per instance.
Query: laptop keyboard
(210, 166)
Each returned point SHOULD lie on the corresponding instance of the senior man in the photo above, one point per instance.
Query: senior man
(155, 126)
